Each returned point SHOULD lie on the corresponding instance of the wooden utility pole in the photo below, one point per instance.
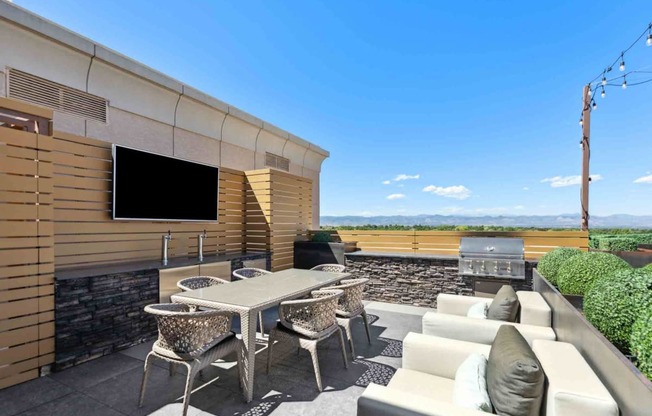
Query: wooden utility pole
(586, 153)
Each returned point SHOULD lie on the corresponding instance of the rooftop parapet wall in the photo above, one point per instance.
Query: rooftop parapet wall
(28, 40)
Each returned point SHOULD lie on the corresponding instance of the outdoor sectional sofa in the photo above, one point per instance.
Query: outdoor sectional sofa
(425, 384)
(450, 320)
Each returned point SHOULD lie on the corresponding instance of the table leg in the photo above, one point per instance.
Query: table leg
(248, 328)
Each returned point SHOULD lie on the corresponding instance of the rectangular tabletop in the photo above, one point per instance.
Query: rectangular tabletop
(261, 291)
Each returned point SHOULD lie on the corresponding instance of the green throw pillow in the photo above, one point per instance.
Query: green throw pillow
(505, 305)
(515, 378)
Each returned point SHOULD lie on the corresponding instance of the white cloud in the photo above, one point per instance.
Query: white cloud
(386, 182)
(525, 188)
(519, 207)
(457, 191)
(404, 177)
(395, 196)
(644, 179)
(562, 181)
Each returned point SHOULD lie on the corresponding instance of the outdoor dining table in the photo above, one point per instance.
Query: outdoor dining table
(248, 297)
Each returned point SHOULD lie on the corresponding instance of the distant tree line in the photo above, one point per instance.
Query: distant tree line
(394, 227)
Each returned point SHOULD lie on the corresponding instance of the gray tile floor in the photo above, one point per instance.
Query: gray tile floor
(109, 386)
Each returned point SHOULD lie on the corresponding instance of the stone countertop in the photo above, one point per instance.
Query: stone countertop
(414, 256)
(99, 270)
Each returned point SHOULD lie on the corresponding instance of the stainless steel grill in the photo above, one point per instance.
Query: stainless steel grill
(492, 257)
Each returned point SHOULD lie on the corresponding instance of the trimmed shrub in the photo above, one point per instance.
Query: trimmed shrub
(551, 262)
(614, 302)
(618, 244)
(649, 266)
(641, 342)
(578, 274)
(322, 237)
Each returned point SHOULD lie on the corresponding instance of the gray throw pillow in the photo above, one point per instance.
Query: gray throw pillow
(505, 305)
(515, 378)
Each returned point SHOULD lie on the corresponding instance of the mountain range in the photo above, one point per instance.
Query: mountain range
(541, 221)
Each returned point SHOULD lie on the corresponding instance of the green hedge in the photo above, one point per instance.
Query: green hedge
(578, 274)
(550, 263)
(322, 237)
(619, 242)
(641, 342)
(614, 302)
(649, 266)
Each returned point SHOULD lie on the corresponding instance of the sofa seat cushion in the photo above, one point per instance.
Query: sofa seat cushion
(423, 384)
(515, 378)
(505, 305)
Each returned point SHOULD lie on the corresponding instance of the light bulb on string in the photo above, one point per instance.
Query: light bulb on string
(581, 122)
(648, 42)
(602, 94)
(604, 80)
(624, 83)
(589, 92)
(595, 105)
(622, 62)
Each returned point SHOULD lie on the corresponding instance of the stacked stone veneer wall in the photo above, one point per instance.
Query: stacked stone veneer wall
(101, 314)
(414, 280)
(98, 315)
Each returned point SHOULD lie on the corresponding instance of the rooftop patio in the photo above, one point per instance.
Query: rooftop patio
(109, 386)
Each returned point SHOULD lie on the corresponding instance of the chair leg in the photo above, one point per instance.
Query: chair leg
(143, 384)
(315, 363)
(349, 336)
(366, 324)
(240, 360)
(186, 395)
(270, 346)
(346, 363)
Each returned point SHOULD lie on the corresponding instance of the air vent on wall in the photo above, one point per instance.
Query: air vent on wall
(37, 90)
(277, 162)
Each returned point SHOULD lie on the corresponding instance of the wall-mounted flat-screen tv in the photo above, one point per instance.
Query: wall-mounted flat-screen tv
(149, 186)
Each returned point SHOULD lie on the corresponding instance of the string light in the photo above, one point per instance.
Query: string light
(624, 83)
(602, 94)
(604, 81)
(648, 42)
(595, 105)
(589, 92)
(581, 122)
(622, 62)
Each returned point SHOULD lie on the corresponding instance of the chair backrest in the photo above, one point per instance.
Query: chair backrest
(333, 268)
(311, 317)
(350, 303)
(249, 272)
(185, 333)
(199, 282)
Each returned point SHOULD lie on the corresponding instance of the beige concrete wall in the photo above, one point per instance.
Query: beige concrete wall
(147, 109)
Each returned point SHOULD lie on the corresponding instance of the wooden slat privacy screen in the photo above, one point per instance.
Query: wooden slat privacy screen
(537, 243)
(55, 214)
(26, 252)
(85, 234)
(279, 212)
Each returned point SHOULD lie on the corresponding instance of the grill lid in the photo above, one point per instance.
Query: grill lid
(492, 247)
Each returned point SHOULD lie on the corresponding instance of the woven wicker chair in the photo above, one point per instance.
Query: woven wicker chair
(333, 268)
(306, 322)
(350, 306)
(199, 282)
(190, 338)
(248, 273)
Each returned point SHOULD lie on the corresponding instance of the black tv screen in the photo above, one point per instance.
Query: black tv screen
(148, 186)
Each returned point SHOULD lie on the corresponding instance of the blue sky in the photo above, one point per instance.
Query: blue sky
(426, 107)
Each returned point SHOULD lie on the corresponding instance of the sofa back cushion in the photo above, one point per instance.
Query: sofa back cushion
(515, 379)
(505, 305)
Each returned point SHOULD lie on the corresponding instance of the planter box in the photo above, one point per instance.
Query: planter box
(628, 386)
(308, 254)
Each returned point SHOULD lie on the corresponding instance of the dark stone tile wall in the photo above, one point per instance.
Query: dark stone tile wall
(98, 315)
(101, 314)
(416, 280)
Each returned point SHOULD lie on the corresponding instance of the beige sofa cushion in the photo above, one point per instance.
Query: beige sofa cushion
(515, 378)
(423, 384)
(572, 386)
(534, 309)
